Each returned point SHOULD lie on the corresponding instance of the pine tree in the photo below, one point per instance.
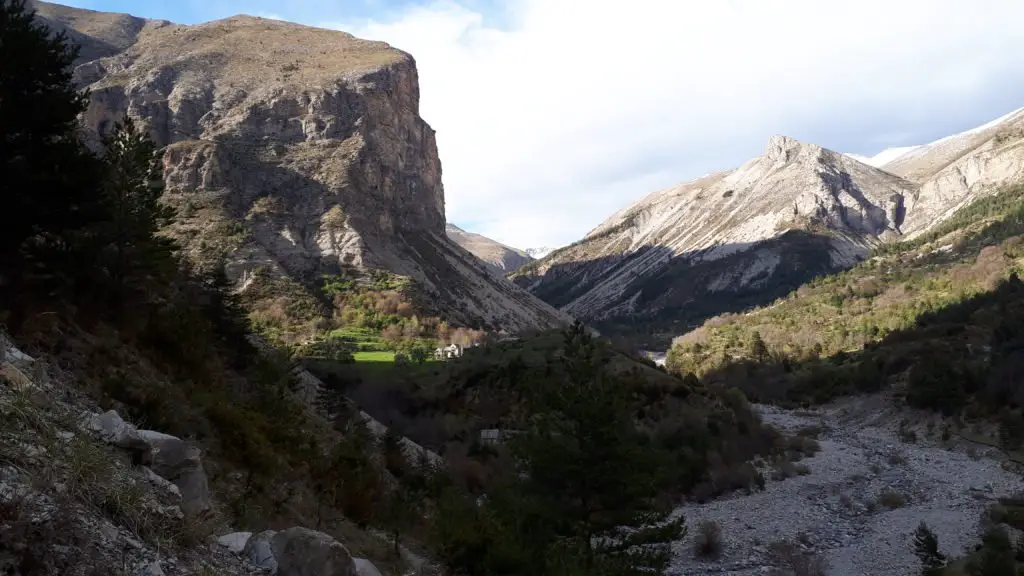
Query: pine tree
(926, 548)
(589, 480)
(758, 349)
(136, 255)
(49, 181)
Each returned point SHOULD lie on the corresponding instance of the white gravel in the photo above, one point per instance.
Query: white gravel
(833, 511)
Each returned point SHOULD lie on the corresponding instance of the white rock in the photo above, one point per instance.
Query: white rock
(365, 568)
(235, 542)
(112, 428)
(151, 569)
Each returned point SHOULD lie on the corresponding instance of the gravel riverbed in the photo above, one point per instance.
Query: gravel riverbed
(835, 510)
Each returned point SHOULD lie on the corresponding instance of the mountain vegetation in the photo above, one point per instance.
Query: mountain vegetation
(933, 319)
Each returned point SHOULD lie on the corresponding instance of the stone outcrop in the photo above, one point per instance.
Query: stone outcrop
(500, 258)
(292, 149)
(305, 552)
(98, 510)
(297, 551)
(166, 456)
(956, 170)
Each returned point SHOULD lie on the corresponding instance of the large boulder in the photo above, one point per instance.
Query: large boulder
(177, 461)
(258, 551)
(113, 429)
(169, 457)
(235, 542)
(304, 552)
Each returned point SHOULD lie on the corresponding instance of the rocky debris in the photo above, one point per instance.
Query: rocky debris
(857, 508)
(180, 463)
(152, 569)
(13, 362)
(297, 551)
(77, 506)
(167, 456)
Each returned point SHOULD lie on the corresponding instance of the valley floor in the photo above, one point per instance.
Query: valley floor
(849, 509)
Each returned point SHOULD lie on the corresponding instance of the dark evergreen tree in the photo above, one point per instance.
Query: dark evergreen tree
(758, 349)
(586, 501)
(136, 256)
(49, 182)
(926, 548)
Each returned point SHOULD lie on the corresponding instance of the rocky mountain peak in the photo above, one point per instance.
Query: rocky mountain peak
(295, 150)
(782, 149)
(794, 212)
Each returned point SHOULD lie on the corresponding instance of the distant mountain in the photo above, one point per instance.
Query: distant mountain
(538, 253)
(743, 237)
(499, 257)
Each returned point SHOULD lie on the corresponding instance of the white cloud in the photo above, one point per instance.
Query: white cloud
(579, 107)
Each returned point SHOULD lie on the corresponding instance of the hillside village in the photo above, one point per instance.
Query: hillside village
(238, 336)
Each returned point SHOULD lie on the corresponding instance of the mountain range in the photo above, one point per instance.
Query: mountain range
(744, 237)
(308, 154)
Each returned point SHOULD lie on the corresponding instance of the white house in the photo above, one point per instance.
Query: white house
(447, 352)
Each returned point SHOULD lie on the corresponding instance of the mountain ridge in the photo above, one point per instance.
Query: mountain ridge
(706, 237)
(501, 259)
(656, 257)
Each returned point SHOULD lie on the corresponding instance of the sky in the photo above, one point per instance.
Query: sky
(551, 115)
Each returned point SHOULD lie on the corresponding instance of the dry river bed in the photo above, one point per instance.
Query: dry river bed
(834, 510)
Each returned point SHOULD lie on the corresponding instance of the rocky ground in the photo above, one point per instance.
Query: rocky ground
(84, 493)
(866, 491)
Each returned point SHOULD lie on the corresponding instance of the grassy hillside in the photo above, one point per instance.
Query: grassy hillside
(361, 316)
(936, 318)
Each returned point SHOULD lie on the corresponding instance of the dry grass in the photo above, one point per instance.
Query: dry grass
(248, 53)
(892, 499)
(789, 559)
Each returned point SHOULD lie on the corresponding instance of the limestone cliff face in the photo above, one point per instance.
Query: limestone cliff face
(298, 149)
(958, 169)
(725, 240)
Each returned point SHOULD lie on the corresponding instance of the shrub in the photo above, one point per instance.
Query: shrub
(790, 560)
(708, 542)
(892, 499)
